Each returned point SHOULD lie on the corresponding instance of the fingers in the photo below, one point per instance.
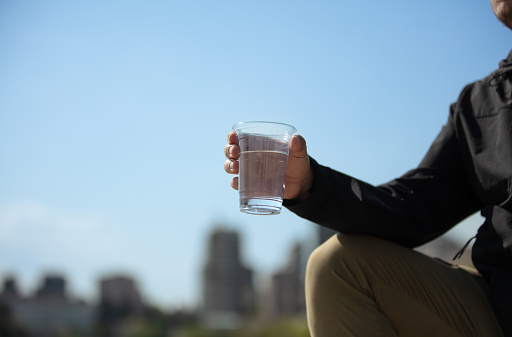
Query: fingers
(231, 166)
(232, 150)
(234, 183)
(232, 138)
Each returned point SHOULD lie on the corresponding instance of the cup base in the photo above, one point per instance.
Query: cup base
(261, 206)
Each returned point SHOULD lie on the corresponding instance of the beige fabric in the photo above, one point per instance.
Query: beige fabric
(362, 286)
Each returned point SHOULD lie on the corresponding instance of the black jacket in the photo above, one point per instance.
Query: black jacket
(468, 168)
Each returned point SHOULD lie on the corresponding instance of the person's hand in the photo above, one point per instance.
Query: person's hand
(299, 175)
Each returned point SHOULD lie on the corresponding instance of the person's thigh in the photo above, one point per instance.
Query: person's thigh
(365, 286)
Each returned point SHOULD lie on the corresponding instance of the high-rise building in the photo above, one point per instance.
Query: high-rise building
(286, 294)
(120, 292)
(119, 301)
(228, 291)
(288, 286)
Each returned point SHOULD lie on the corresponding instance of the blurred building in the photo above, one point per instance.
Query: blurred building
(284, 295)
(121, 292)
(228, 291)
(53, 288)
(50, 311)
(445, 248)
(120, 300)
(287, 295)
(323, 234)
(10, 290)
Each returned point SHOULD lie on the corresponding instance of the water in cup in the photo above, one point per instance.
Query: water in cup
(263, 174)
(263, 159)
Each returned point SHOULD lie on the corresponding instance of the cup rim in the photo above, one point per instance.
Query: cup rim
(239, 124)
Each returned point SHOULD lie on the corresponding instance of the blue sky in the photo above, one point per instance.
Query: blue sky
(114, 115)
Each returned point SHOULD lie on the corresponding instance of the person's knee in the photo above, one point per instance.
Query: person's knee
(321, 263)
(325, 251)
(341, 256)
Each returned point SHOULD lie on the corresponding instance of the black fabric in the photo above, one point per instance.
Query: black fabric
(468, 168)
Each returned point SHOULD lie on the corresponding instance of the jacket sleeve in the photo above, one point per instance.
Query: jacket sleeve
(411, 210)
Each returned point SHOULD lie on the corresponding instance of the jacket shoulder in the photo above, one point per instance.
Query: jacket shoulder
(484, 97)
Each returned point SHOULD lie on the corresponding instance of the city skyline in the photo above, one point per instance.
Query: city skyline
(263, 281)
(261, 276)
(114, 115)
(230, 298)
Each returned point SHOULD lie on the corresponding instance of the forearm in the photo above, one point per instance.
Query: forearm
(411, 210)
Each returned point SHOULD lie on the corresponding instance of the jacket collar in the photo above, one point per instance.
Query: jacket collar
(506, 62)
(502, 73)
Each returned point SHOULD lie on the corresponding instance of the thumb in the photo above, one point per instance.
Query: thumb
(298, 147)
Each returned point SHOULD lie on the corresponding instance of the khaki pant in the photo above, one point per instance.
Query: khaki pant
(367, 287)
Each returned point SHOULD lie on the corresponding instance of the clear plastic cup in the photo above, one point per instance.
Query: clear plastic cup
(264, 148)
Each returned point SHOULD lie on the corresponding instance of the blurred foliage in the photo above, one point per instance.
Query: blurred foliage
(145, 328)
(287, 327)
(152, 322)
(279, 328)
(73, 333)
